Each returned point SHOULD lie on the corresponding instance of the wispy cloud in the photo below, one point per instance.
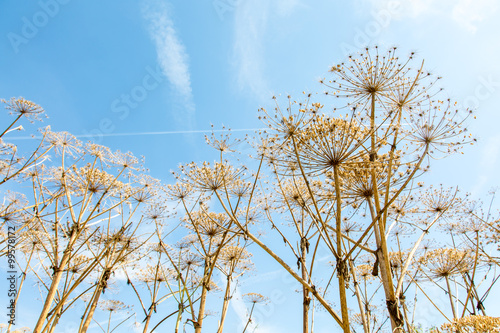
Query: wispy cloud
(260, 322)
(487, 165)
(263, 314)
(466, 13)
(39, 137)
(286, 7)
(250, 29)
(470, 12)
(172, 55)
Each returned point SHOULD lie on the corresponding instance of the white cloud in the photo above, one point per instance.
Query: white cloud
(171, 53)
(250, 29)
(488, 165)
(469, 13)
(259, 323)
(411, 8)
(466, 13)
(250, 26)
(286, 7)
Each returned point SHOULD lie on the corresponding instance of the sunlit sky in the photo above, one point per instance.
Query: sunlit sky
(151, 76)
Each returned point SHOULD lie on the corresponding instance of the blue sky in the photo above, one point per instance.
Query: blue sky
(159, 66)
(149, 66)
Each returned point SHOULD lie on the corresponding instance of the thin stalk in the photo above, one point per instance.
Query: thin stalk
(249, 318)
(366, 327)
(473, 275)
(412, 253)
(10, 126)
(161, 321)
(310, 287)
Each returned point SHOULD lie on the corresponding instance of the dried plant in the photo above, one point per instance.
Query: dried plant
(325, 169)
(79, 222)
(332, 176)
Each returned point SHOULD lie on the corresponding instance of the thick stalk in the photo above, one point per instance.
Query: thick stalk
(227, 297)
(392, 305)
(58, 273)
(386, 277)
(54, 323)
(179, 317)
(451, 297)
(62, 301)
(97, 294)
(341, 263)
(88, 319)
(203, 298)
(95, 300)
(305, 292)
(148, 318)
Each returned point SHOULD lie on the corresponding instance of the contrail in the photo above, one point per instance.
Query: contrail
(146, 133)
(162, 133)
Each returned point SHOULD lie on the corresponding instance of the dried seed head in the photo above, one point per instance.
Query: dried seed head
(22, 107)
